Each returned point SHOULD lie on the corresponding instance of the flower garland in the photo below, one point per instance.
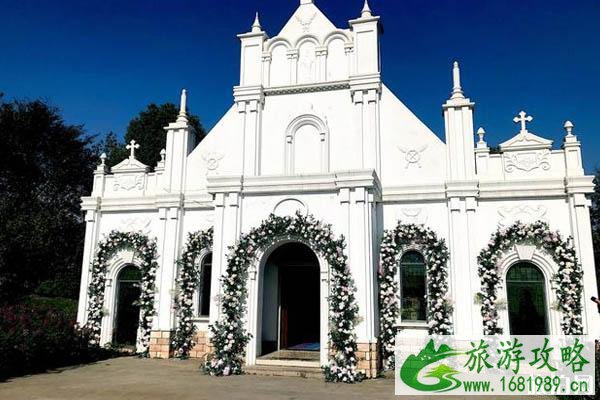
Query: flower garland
(439, 309)
(567, 281)
(229, 338)
(187, 282)
(145, 249)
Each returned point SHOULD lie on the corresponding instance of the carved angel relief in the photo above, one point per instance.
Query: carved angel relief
(412, 156)
(306, 22)
(527, 161)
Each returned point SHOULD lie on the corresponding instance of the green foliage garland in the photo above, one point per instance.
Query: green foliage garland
(145, 250)
(567, 282)
(229, 338)
(439, 309)
(187, 282)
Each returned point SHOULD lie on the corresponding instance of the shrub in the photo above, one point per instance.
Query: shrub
(37, 335)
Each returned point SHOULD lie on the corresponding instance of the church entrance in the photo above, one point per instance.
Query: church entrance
(526, 294)
(291, 302)
(127, 310)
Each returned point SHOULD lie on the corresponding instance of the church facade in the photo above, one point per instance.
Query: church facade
(314, 131)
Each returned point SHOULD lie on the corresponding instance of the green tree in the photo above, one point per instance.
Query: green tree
(46, 165)
(147, 129)
(595, 220)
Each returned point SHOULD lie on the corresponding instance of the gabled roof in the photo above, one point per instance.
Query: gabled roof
(526, 141)
(130, 165)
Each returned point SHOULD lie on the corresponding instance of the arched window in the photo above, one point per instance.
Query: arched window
(412, 287)
(526, 295)
(204, 286)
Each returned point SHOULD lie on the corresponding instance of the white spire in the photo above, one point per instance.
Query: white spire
(457, 92)
(256, 25)
(366, 11)
(182, 107)
(306, 2)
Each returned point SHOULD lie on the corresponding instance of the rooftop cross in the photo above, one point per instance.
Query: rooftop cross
(131, 147)
(523, 118)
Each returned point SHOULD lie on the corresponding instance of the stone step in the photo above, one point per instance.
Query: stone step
(279, 370)
(292, 355)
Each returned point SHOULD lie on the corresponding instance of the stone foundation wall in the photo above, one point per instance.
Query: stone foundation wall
(160, 344)
(368, 362)
(202, 347)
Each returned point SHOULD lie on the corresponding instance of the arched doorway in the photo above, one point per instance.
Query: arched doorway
(526, 296)
(127, 307)
(291, 302)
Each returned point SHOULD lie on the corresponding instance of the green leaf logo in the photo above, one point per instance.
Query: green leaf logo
(413, 365)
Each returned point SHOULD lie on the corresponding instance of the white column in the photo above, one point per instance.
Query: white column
(92, 219)
(582, 235)
(359, 123)
(293, 57)
(360, 257)
(461, 278)
(266, 70)
(170, 227)
(227, 229)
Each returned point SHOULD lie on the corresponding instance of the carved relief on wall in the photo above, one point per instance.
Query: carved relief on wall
(413, 215)
(128, 182)
(412, 156)
(526, 214)
(212, 159)
(306, 21)
(526, 161)
(135, 224)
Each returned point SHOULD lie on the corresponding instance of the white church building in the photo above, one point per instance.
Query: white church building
(314, 130)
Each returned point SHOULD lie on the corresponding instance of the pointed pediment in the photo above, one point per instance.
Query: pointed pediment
(526, 141)
(307, 20)
(130, 165)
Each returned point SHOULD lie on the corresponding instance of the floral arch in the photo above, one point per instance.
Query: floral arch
(567, 282)
(228, 335)
(439, 310)
(187, 281)
(145, 250)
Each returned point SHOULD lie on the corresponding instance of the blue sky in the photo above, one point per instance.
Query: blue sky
(101, 62)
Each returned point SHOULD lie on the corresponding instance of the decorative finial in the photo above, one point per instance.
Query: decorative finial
(366, 11)
(182, 107)
(523, 119)
(481, 133)
(103, 159)
(131, 147)
(569, 128)
(163, 154)
(457, 92)
(256, 25)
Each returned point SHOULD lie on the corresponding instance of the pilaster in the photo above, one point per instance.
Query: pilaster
(169, 236)
(227, 229)
(577, 189)
(358, 192)
(92, 224)
(250, 103)
(462, 207)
